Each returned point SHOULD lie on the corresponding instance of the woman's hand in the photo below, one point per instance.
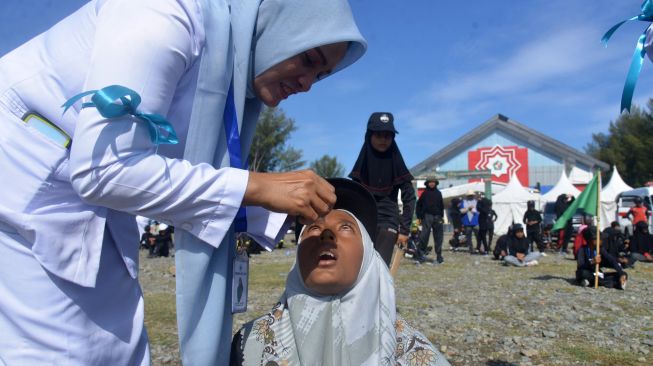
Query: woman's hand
(302, 193)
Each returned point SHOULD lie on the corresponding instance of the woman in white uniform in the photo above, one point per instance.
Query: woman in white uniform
(71, 183)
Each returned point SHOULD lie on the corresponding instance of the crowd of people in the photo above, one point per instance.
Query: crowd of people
(157, 239)
(472, 224)
(471, 218)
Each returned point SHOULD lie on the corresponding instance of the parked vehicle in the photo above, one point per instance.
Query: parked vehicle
(626, 200)
(549, 219)
(548, 214)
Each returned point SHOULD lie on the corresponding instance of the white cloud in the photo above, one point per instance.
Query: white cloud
(545, 60)
(561, 70)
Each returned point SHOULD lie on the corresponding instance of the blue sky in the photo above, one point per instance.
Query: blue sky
(444, 67)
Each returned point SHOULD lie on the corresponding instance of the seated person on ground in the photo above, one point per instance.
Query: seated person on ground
(615, 243)
(518, 254)
(587, 260)
(412, 245)
(641, 244)
(147, 239)
(338, 306)
(501, 247)
(547, 238)
(579, 240)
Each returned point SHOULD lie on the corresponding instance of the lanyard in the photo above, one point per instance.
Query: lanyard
(233, 146)
(590, 254)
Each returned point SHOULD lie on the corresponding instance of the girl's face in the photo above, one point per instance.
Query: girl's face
(519, 234)
(330, 253)
(381, 140)
(298, 73)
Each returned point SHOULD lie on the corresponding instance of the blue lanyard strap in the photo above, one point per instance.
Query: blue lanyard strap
(233, 146)
(104, 100)
(638, 56)
(590, 254)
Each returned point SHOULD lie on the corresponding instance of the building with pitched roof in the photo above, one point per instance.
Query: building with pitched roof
(505, 147)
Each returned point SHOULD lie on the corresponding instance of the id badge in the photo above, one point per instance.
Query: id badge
(239, 284)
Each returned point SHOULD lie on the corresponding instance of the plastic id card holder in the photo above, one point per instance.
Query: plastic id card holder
(48, 129)
(239, 284)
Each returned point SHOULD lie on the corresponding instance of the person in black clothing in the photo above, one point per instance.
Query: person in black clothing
(533, 221)
(147, 239)
(380, 168)
(484, 207)
(588, 258)
(491, 218)
(430, 211)
(616, 244)
(458, 238)
(501, 249)
(518, 253)
(454, 213)
(641, 244)
(564, 236)
(412, 246)
(163, 242)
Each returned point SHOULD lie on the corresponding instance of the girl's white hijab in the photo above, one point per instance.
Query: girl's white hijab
(356, 327)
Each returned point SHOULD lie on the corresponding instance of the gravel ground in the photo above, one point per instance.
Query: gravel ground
(477, 311)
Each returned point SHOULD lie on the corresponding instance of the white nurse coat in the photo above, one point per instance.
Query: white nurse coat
(66, 216)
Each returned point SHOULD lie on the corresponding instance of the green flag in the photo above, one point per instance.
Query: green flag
(587, 200)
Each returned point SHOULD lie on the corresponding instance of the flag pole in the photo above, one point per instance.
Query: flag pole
(598, 230)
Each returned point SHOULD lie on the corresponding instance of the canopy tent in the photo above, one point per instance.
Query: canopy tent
(461, 190)
(579, 176)
(563, 186)
(450, 193)
(609, 195)
(510, 204)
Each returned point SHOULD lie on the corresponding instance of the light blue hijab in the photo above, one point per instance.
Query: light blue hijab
(243, 39)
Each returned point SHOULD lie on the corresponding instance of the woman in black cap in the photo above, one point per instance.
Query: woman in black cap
(381, 169)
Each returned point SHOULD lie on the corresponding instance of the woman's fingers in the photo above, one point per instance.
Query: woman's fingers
(301, 193)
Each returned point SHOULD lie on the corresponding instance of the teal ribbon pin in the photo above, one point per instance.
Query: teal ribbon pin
(105, 102)
(638, 57)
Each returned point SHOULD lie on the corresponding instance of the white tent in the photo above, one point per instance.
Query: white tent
(461, 190)
(563, 186)
(580, 176)
(510, 204)
(609, 195)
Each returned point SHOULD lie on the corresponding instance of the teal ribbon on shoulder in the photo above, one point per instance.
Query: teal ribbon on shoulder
(105, 100)
(638, 56)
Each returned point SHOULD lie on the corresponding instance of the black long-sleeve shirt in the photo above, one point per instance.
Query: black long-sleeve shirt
(532, 215)
(388, 208)
(613, 241)
(502, 245)
(430, 202)
(517, 245)
(585, 254)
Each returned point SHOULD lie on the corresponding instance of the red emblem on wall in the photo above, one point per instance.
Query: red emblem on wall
(502, 161)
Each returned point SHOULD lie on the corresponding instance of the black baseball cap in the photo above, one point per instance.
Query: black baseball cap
(381, 121)
(353, 197)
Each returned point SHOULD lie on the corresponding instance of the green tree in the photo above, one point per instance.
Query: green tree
(270, 151)
(327, 167)
(628, 144)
